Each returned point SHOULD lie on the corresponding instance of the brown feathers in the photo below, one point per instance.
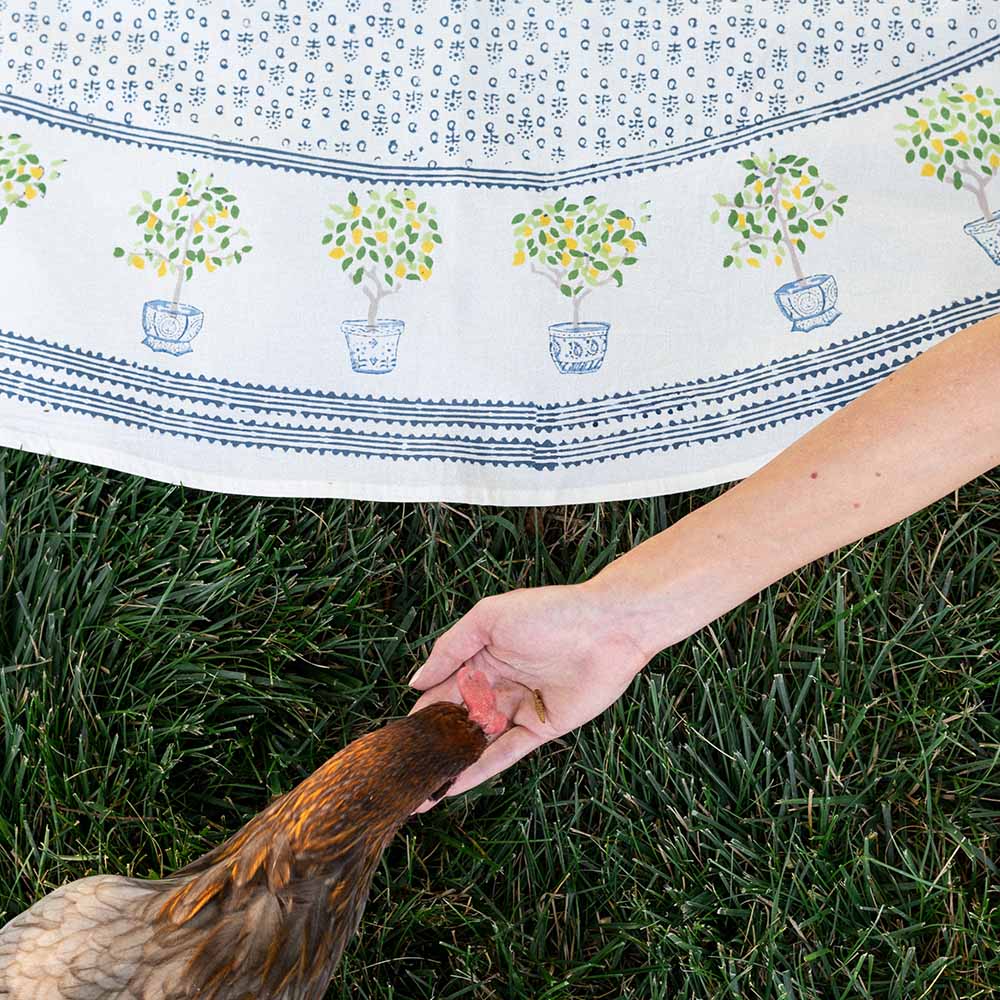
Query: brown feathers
(267, 914)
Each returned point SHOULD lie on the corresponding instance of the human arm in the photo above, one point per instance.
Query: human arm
(925, 430)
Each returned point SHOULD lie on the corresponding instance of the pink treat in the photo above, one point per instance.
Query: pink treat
(481, 701)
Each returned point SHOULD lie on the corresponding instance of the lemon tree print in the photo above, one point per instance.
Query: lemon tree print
(382, 242)
(954, 138)
(23, 176)
(193, 229)
(578, 247)
(784, 205)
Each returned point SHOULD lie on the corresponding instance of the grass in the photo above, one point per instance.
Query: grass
(800, 801)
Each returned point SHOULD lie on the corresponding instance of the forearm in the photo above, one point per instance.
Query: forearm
(922, 432)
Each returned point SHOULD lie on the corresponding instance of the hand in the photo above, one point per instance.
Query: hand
(563, 642)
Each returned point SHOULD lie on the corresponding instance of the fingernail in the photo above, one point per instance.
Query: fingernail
(415, 677)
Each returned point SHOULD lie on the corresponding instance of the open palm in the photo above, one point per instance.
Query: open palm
(558, 641)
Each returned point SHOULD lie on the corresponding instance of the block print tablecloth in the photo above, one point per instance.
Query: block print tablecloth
(485, 250)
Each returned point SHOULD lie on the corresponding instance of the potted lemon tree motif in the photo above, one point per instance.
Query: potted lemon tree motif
(784, 203)
(382, 242)
(23, 176)
(193, 228)
(955, 138)
(578, 247)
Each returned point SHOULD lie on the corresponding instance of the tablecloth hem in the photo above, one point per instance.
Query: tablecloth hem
(45, 445)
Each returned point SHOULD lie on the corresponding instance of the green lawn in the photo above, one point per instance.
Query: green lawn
(801, 801)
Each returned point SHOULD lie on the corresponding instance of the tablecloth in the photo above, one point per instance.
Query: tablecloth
(480, 250)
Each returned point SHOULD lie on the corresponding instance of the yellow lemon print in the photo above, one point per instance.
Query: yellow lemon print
(400, 270)
(625, 224)
(606, 247)
(8, 185)
(796, 192)
(819, 234)
(337, 253)
(414, 224)
(527, 231)
(36, 172)
(198, 227)
(518, 258)
(758, 186)
(970, 98)
(210, 221)
(356, 212)
(778, 259)
(424, 272)
(151, 221)
(927, 170)
(223, 213)
(137, 262)
(30, 192)
(921, 124)
(381, 236)
(629, 244)
(568, 224)
(937, 145)
(786, 205)
(961, 137)
(182, 200)
(411, 204)
(427, 246)
(571, 243)
(994, 160)
(566, 259)
(753, 262)
(209, 266)
(593, 272)
(162, 269)
(544, 220)
(356, 237)
(741, 220)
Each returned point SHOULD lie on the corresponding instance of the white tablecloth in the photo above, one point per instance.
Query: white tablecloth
(480, 250)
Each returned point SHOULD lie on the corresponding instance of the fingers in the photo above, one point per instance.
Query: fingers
(460, 643)
(498, 756)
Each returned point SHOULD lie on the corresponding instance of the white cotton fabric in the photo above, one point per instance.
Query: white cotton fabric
(480, 112)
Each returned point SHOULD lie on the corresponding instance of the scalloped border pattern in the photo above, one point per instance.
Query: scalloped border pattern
(538, 443)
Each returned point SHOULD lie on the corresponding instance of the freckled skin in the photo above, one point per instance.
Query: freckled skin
(268, 913)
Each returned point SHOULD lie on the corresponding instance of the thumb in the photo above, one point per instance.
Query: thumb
(460, 643)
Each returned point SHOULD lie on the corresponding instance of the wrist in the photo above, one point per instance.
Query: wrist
(677, 582)
(629, 610)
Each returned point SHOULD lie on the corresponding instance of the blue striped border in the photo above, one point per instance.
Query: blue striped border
(533, 180)
(528, 452)
(517, 452)
(654, 401)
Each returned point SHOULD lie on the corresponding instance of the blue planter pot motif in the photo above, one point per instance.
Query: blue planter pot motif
(986, 232)
(809, 302)
(372, 348)
(170, 328)
(578, 347)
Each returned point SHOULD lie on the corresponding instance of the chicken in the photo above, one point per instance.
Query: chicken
(267, 914)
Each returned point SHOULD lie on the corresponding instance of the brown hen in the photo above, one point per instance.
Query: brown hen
(267, 914)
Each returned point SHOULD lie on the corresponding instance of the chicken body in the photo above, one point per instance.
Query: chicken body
(264, 916)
